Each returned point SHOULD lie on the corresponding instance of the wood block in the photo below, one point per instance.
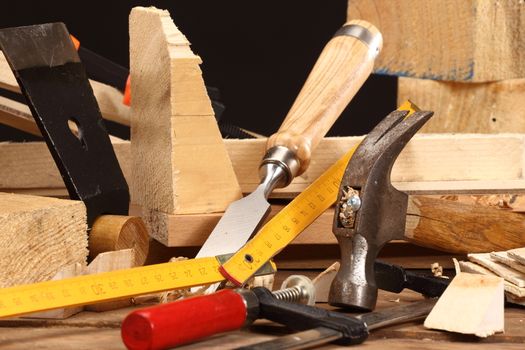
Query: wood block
(509, 274)
(38, 237)
(180, 164)
(510, 288)
(460, 40)
(495, 107)
(471, 304)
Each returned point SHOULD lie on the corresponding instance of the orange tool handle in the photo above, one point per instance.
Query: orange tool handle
(169, 325)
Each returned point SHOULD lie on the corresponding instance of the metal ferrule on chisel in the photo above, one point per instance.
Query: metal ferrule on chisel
(278, 167)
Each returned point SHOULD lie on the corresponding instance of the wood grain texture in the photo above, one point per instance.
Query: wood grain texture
(117, 232)
(430, 163)
(504, 258)
(459, 40)
(39, 236)
(510, 288)
(494, 107)
(517, 254)
(471, 304)
(17, 115)
(462, 228)
(502, 270)
(179, 160)
(109, 99)
(340, 71)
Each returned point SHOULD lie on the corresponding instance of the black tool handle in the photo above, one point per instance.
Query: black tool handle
(303, 317)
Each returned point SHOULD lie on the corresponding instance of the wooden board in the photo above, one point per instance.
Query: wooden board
(495, 107)
(109, 99)
(39, 236)
(460, 40)
(429, 164)
(180, 164)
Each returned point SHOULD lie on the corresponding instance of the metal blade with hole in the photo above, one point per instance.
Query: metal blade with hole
(54, 82)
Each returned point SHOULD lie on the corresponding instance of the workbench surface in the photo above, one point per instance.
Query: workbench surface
(90, 330)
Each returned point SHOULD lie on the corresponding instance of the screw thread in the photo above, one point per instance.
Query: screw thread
(291, 295)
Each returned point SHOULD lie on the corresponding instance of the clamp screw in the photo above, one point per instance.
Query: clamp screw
(296, 289)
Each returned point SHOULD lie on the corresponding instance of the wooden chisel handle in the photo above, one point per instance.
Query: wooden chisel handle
(340, 71)
(462, 228)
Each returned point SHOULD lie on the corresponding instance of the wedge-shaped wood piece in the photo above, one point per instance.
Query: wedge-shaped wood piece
(180, 164)
(504, 258)
(472, 304)
(502, 270)
(517, 254)
(510, 288)
(39, 236)
(460, 40)
(493, 107)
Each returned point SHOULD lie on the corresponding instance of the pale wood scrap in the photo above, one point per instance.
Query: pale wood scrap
(109, 99)
(447, 40)
(17, 115)
(517, 254)
(510, 288)
(180, 164)
(509, 274)
(323, 281)
(39, 236)
(504, 258)
(430, 164)
(471, 304)
(495, 107)
(111, 261)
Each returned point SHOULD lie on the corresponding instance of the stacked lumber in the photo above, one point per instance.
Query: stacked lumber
(509, 265)
(468, 68)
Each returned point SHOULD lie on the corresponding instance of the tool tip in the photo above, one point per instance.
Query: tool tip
(136, 332)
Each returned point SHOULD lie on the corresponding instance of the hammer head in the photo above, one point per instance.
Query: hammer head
(369, 210)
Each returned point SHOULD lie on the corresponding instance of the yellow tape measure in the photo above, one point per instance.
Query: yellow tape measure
(291, 220)
(271, 239)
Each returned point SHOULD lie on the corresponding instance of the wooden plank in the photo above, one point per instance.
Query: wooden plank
(38, 236)
(430, 163)
(109, 99)
(495, 107)
(504, 258)
(180, 164)
(471, 304)
(17, 115)
(447, 40)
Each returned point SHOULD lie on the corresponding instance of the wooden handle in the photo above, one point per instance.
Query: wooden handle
(117, 232)
(340, 71)
(462, 228)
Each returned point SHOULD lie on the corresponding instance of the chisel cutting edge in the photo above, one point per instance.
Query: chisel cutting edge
(342, 68)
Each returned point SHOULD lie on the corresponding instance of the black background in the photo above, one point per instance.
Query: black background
(257, 53)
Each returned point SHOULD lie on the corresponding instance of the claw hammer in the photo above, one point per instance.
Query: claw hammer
(370, 212)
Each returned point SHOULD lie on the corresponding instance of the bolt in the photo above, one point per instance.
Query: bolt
(296, 289)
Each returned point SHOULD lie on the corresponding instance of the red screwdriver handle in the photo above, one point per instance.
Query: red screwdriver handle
(169, 325)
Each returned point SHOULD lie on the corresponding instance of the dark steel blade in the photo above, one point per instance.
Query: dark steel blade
(57, 90)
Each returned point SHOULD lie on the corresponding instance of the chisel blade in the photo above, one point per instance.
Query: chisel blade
(240, 220)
